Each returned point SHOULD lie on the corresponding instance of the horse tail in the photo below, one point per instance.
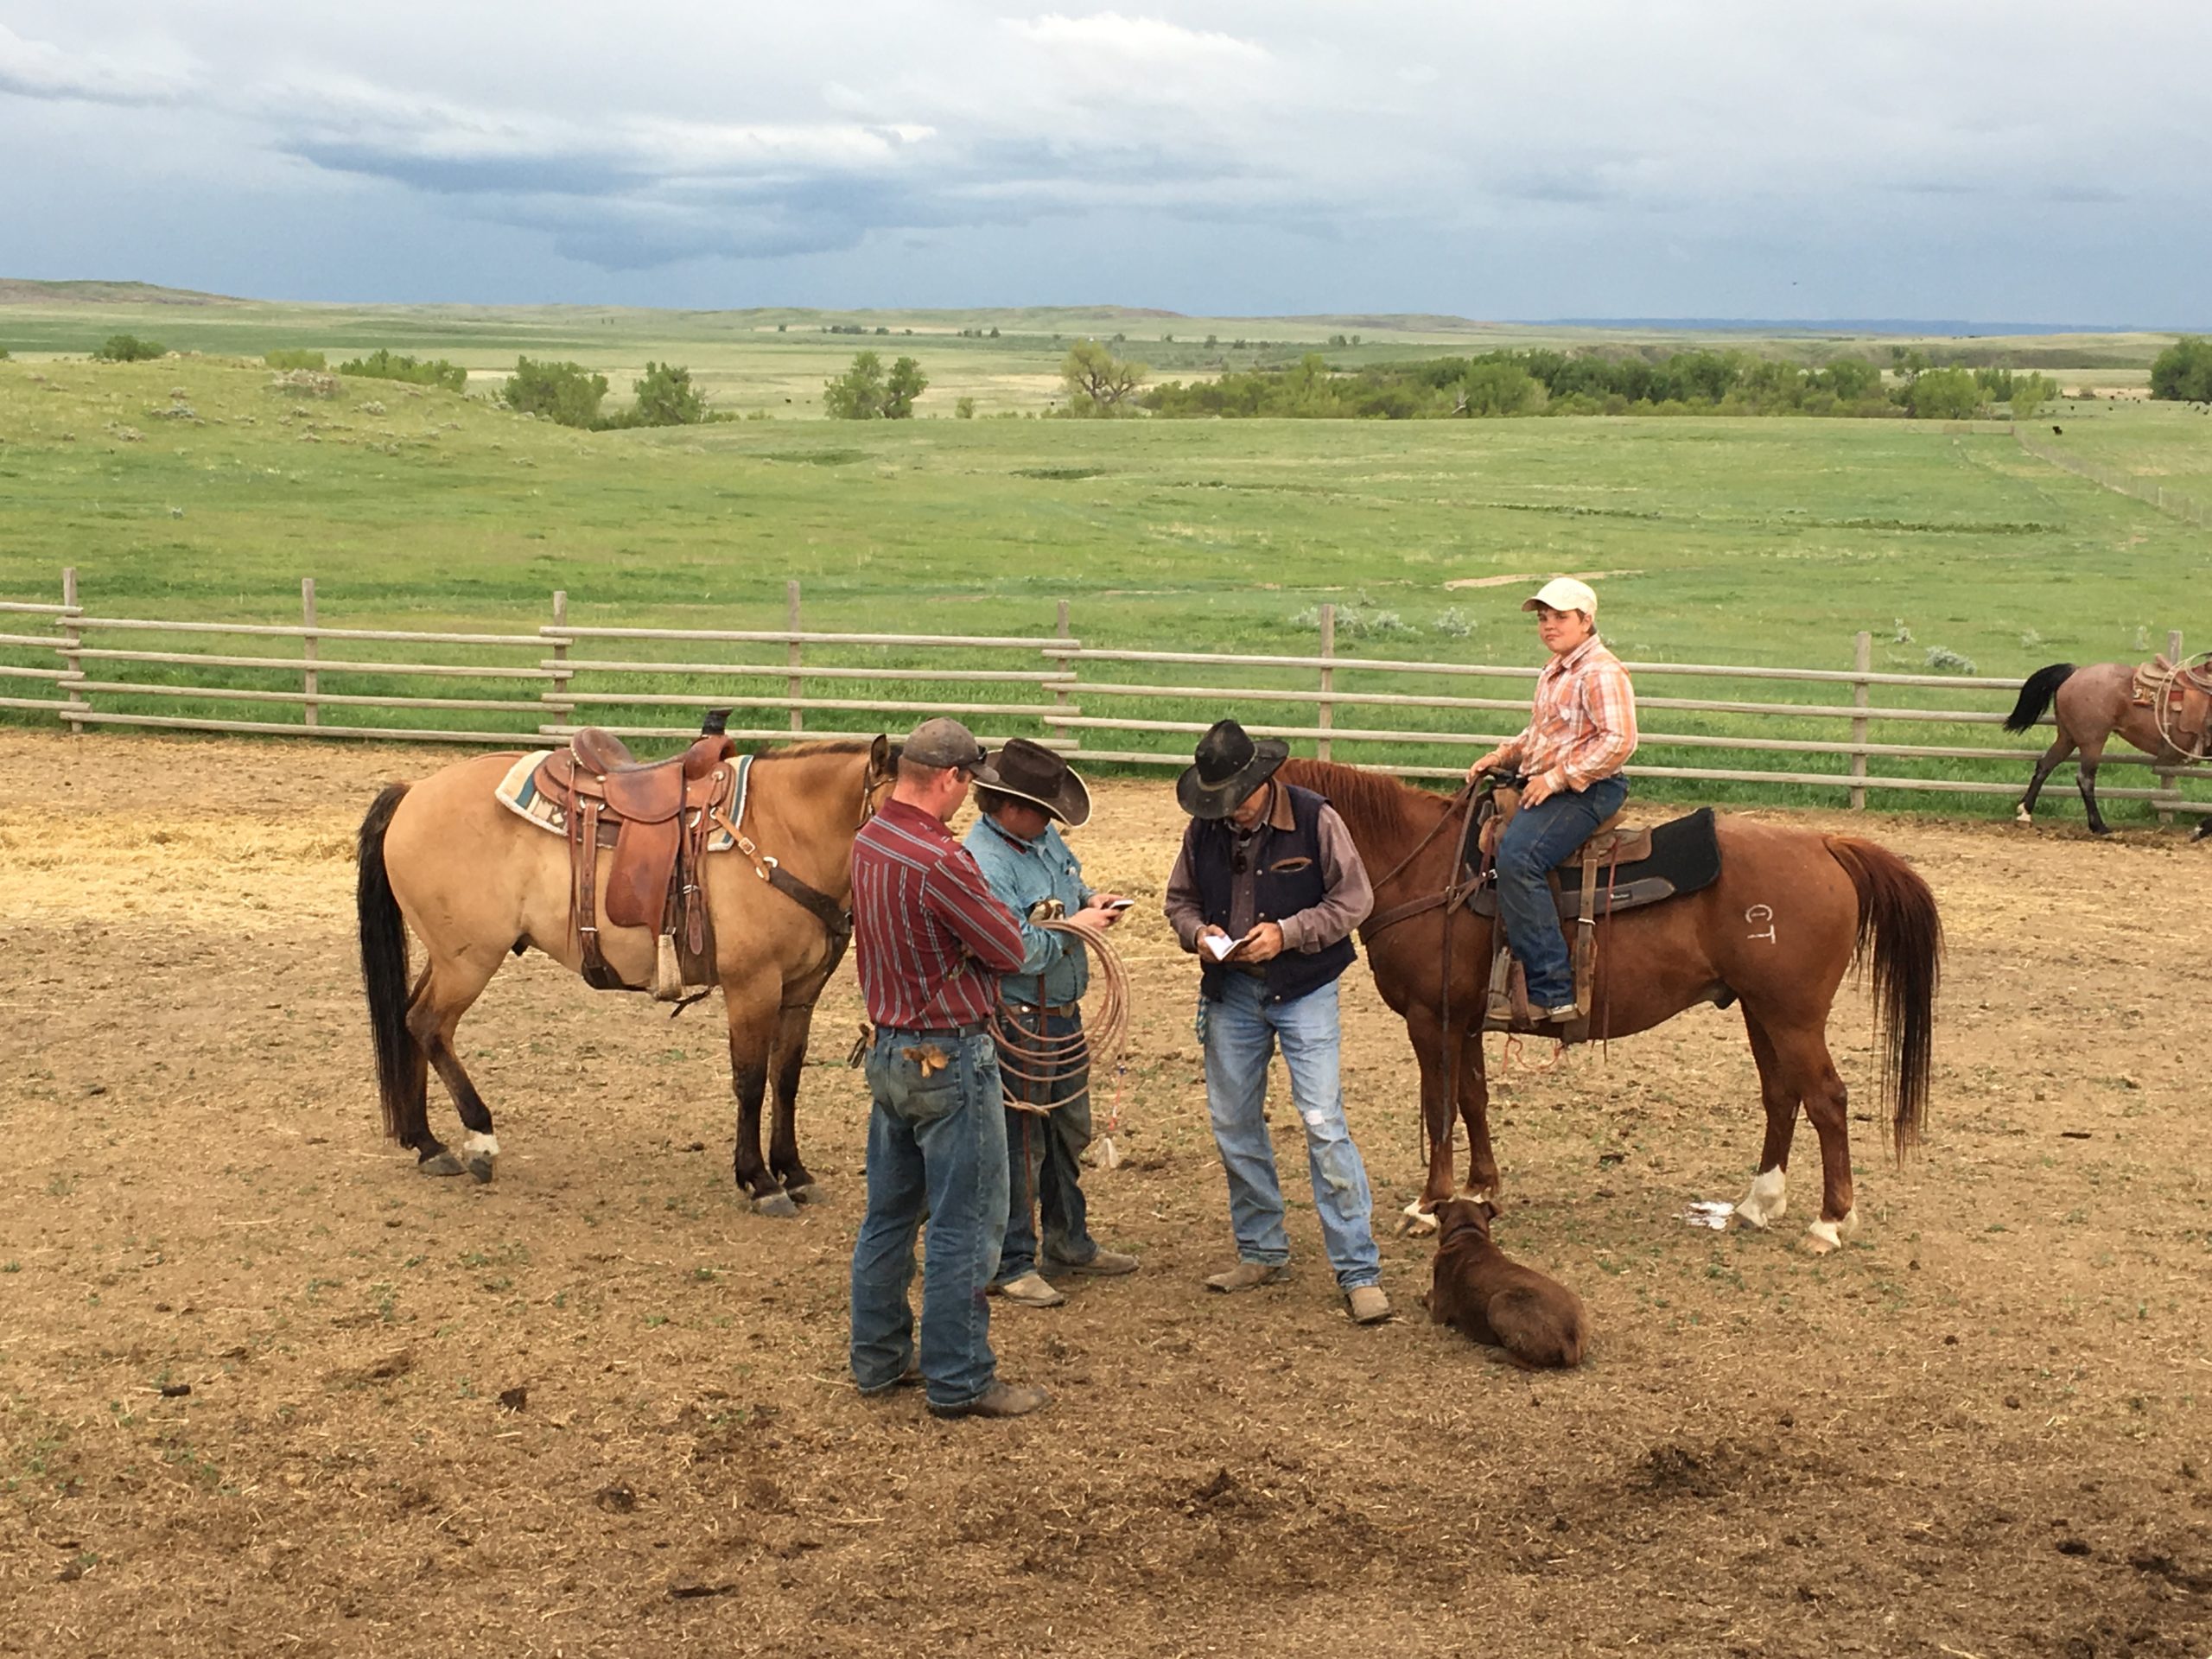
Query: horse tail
(2036, 696)
(1901, 937)
(383, 975)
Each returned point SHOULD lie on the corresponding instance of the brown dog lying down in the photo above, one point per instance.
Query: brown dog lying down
(1537, 1321)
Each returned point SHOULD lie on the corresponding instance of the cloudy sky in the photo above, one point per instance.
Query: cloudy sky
(2013, 159)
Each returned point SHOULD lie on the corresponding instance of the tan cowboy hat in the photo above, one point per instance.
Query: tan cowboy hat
(1032, 773)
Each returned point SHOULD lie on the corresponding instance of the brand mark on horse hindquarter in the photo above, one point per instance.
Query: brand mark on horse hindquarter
(1757, 914)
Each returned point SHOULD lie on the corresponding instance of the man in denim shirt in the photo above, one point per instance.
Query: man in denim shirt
(1020, 792)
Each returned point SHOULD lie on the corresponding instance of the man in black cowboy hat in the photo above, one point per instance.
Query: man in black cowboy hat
(1024, 792)
(1267, 891)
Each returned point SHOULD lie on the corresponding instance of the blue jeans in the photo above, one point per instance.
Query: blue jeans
(1042, 1152)
(1530, 848)
(1242, 1032)
(935, 1144)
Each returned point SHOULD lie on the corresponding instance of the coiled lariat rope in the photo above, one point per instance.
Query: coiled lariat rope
(2196, 674)
(1028, 1056)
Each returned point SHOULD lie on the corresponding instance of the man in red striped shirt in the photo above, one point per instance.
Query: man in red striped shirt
(1580, 736)
(930, 941)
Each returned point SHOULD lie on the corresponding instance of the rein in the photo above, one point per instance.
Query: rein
(836, 920)
(1467, 793)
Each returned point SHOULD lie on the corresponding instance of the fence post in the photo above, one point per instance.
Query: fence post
(307, 651)
(1862, 659)
(558, 691)
(796, 686)
(2166, 778)
(1326, 708)
(1059, 687)
(73, 637)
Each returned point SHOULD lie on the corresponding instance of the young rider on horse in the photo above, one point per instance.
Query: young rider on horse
(1581, 734)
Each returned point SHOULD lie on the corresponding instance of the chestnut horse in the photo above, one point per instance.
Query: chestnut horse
(475, 881)
(1793, 909)
(2088, 705)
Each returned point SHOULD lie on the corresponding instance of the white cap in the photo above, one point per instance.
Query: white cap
(1565, 594)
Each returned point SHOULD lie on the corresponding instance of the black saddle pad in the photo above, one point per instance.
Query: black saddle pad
(1685, 859)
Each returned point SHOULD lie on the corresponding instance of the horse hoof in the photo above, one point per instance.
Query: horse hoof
(480, 1165)
(811, 1192)
(2024, 817)
(1415, 1222)
(439, 1163)
(778, 1204)
(1822, 1238)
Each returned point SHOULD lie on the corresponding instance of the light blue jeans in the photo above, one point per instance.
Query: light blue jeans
(935, 1145)
(1242, 1032)
(1530, 848)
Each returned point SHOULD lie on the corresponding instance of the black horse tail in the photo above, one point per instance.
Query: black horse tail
(1901, 937)
(401, 1082)
(2036, 697)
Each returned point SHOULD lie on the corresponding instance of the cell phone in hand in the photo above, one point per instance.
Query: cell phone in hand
(1119, 904)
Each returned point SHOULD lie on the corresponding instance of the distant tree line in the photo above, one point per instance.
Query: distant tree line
(1546, 382)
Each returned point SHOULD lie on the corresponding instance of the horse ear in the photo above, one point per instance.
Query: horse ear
(880, 755)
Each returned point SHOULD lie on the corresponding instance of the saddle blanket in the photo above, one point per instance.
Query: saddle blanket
(518, 791)
(1685, 859)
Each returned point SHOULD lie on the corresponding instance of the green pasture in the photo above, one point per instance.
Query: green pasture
(774, 360)
(1767, 541)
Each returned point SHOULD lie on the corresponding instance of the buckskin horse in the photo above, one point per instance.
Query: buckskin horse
(2163, 709)
(1790, 912)
(475, 881)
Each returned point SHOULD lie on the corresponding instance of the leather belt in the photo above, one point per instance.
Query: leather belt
(974, 1027)
(1057, 1010)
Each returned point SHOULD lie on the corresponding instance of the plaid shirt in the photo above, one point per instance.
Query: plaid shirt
(929, 936)
(1583, 727)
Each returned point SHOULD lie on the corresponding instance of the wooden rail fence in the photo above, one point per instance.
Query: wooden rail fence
(90, 669)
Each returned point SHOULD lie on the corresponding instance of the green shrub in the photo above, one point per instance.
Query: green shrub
(964, 408)
(383, 365)
(2183, 370)
(129, 348)
(564, 392)
(667, 397)
(865, 392)
(1944, 660)
(1944, 394)
(290, 357)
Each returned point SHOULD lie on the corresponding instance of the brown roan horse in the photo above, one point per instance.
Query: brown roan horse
(1792, 910)
(2088, 705)
(474, 880)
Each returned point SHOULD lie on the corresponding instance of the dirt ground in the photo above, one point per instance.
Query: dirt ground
(267, 1388)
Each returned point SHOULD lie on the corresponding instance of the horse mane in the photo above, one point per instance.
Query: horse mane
(1372, 798)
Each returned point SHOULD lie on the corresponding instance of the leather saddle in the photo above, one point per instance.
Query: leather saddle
(653, 817)
(2182, 694)
(1618, 869)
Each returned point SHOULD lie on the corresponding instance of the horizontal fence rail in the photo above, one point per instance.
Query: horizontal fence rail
(1111, 705)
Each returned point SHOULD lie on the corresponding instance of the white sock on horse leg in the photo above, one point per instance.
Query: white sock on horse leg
(1764, 1204)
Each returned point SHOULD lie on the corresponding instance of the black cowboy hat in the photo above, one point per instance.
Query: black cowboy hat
(1230, 766)
(1032, 773)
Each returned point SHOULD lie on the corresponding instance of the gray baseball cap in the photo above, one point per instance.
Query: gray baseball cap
(943, 742)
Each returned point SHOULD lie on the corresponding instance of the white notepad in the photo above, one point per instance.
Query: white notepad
(1221, 947)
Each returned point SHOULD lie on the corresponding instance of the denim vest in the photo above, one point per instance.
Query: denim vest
(1289, 881)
